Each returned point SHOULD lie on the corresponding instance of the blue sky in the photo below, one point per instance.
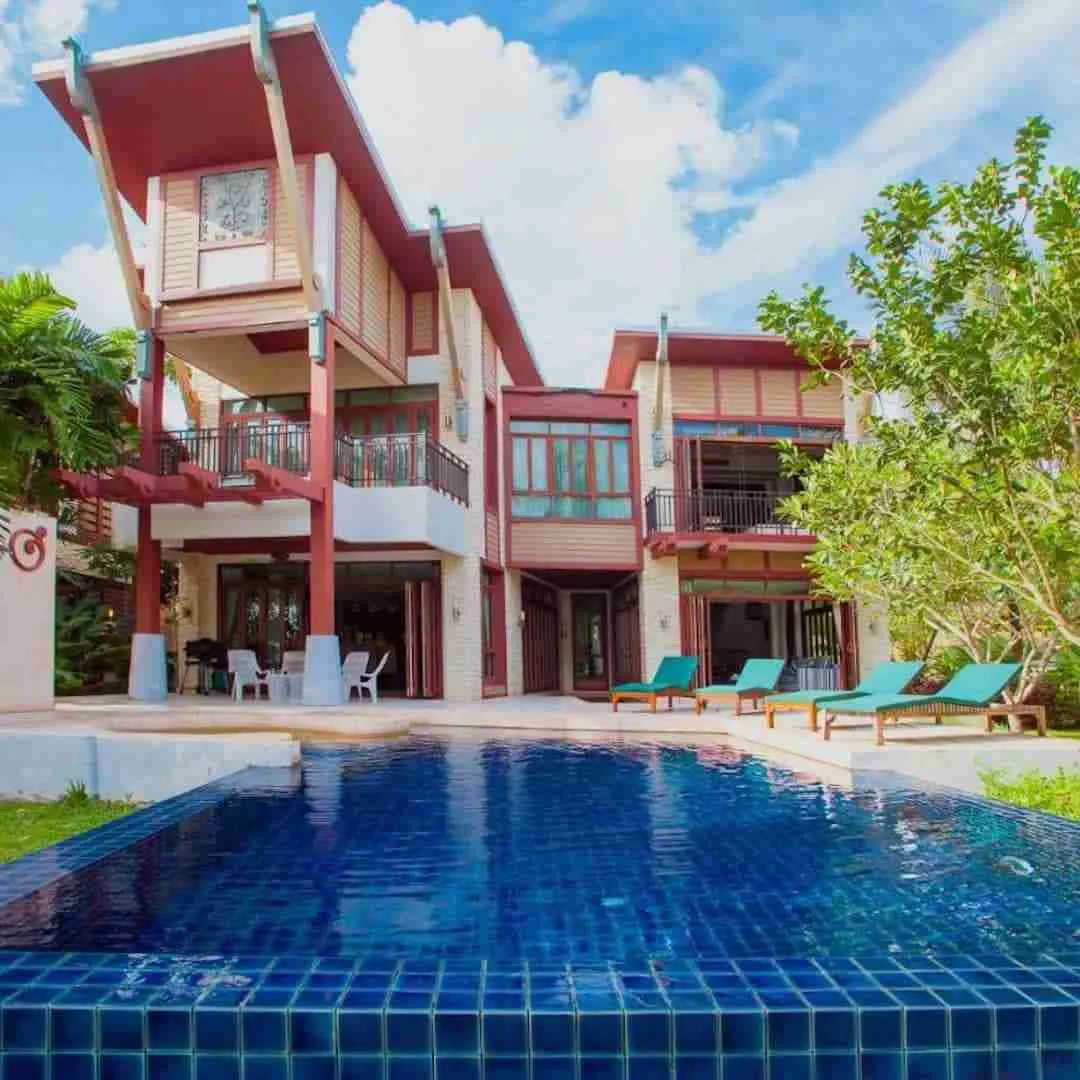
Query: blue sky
(626, 157)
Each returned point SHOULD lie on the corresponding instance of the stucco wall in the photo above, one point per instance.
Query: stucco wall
(27, 617)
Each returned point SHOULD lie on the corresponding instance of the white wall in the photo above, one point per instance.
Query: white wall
(27, 617)
(399, 515)
(173, 523)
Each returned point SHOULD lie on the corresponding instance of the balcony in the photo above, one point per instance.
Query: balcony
(225, 452)
(674, 517)
(401, 460)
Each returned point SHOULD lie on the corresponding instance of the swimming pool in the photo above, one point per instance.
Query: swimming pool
(522, 906)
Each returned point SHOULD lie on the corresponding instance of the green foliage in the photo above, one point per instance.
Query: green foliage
(62, 391)
(91, 647)
(26, 827)
(76, 794)
(116, 564)
(963, 511)
(1056, 793)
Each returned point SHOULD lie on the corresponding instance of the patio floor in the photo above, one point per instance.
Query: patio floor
(954, 753)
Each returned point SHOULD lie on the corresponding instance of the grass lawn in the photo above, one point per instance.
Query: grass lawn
(1056, 792)
(27, 826)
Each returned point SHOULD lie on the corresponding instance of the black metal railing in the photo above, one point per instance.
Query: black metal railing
(401, 460)
(716, 512)
(223, 451)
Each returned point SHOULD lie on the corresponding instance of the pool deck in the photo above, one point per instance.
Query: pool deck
(231, 734)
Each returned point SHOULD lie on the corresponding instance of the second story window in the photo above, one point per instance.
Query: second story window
(234, 207)
(571, 470)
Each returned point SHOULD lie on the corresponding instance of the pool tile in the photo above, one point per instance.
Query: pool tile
(880, 1065)
(972, 1029)
(408, 1033)
(122, 1067)
(168, 1029)
(265, 1067)
(1060, 1064)
(929, 1065)
(1059, 1025)
(788, 1030)
(742, 1067)
(73, 1066)
(311, 1032)
(742, 1032)
(880, 1029)
(837, 1066)
(217, 1031)
(973, 1065)
(264, 1031)
(169, 1066)
(24, 1027)
(504, 1034)
(362, 1067)
(834, 1030)
(552, 1033)
(360, 1032)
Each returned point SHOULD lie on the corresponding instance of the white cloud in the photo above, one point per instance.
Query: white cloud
(37, 28)
(91, 277)
(589, 188)
(814, 214)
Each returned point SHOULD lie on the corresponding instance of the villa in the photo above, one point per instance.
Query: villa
(373, 458)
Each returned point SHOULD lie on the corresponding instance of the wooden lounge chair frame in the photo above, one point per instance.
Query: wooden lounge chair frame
(1038, 712)
(812, 708)
(649, 696)
(739, 697)
(756, 668)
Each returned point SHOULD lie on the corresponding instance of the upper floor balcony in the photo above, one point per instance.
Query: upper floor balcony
(717, 519)
(241, 483)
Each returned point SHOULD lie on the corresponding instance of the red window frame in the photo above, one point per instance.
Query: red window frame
(592, 440)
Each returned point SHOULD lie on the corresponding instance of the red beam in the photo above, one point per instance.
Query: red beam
(272, 480)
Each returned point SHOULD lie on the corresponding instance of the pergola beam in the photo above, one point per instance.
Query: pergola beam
(446, 313)
(262, 53)
(82, 99)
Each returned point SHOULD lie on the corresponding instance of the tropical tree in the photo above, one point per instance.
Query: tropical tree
(964, 507)
(62, 391)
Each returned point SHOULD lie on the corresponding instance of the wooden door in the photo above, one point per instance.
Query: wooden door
(540, 638)
(589, 640)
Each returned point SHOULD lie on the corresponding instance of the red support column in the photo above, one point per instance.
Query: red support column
(148, 552)
(322, 474)
(147, 676)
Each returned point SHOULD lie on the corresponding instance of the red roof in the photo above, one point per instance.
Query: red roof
(192, 102)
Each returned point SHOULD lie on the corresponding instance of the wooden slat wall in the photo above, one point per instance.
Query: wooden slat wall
(350, 228)
(375, 289)
(491, 377)
(179, 254)
(540, 543)
(693, 390)
(396, 355)
(286, 264)
(738, 391)
(241, 309)
(824, 402)
(491, 536)
(423, 341)
(779, 392)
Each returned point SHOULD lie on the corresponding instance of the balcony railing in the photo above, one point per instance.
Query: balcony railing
(716, 512)
(223, 450)
(402, 460)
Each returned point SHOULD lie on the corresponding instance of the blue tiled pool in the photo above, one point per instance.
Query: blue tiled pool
(546, 910)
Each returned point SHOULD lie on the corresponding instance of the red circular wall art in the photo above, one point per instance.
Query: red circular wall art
(27, 548)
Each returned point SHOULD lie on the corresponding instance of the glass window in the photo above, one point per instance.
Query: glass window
(414, 393)
(538, 453)
(521, 464)
(530, 506)
(779, 431)
(243, 407)
(561, 479)
(234, 207)
(529, 427)
(286, 403)
(620, 452)
(571, 427)
(695, 428)
(617, 428)
(613, 509)
(602, 465)
(579, 456)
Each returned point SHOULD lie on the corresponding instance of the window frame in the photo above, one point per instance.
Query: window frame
(558, 431)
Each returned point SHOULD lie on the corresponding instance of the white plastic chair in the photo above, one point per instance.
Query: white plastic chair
(370, 681)
(244, 668)
(353, 669)
(292, 663)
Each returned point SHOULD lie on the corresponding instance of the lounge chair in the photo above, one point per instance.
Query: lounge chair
(973, 689)
(891, 677)
(674, 678)
(757, 678)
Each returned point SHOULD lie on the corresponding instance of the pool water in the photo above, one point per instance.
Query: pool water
(554, 852)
